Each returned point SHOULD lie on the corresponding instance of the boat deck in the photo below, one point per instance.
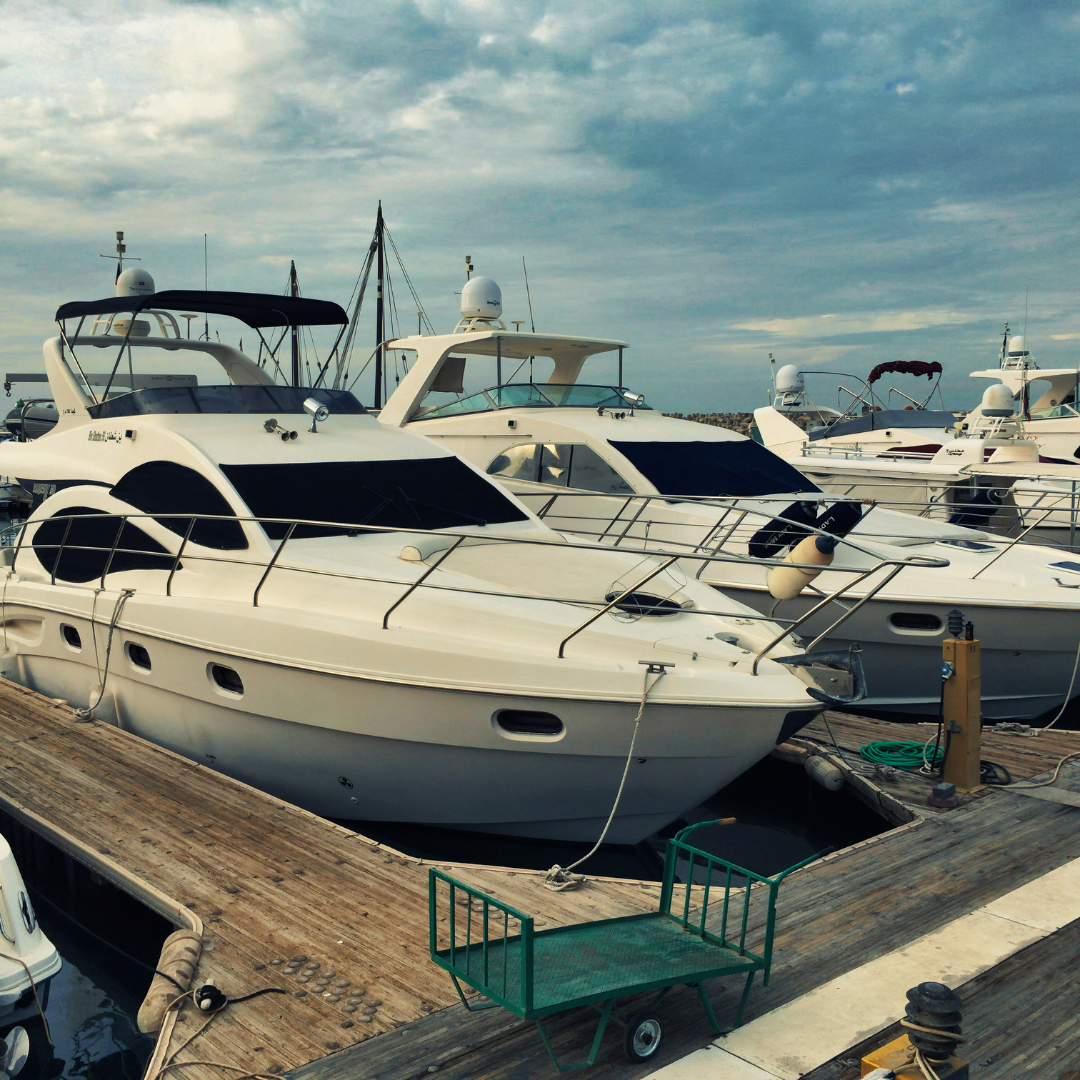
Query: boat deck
(269, 882)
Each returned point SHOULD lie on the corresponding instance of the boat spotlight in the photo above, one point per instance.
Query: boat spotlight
(635, 401)
(318, 412)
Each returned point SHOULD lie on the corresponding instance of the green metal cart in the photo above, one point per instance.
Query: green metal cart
(494, 948)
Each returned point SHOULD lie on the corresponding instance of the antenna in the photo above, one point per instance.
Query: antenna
(121, 253)
(1026, 290)
(525, 269)
(206, 286)
(772, 377)
(468, 267)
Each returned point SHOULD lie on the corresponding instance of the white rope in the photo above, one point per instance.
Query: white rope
(1068, 693)
(559, 878)
(88, 712)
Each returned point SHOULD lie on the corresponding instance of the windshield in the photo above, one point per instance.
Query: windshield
(738, 468)
(418, 493)
(223, 399)
(535, 395)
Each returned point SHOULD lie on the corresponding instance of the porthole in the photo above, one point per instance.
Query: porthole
(71, 636)
(227, 679)
(138, 656)
(915, 622)
(525, 724)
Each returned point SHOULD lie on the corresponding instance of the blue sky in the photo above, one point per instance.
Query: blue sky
(837, 183)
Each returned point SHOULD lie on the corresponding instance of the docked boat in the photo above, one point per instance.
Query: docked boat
(28, 959)
(268, 581)
(989, 469)
(593, 460)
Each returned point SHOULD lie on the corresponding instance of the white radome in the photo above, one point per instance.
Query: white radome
(789, 380)
(997, 400)
(481, 299)
(135, 282)
(1017, 345)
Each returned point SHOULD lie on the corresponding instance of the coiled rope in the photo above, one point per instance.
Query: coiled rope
(902, 755)
(559, 878)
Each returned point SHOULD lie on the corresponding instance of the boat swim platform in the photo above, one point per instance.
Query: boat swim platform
(265, 881)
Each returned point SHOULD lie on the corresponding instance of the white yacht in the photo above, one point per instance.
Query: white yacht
(267, 580)
(29, 959)
(594, 460)
(989, 469)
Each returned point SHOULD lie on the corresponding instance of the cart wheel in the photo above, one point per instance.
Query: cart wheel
(644, 1030)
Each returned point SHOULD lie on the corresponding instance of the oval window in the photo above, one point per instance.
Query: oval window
(915, 622)
(71, 636)
(532, 724)
(138, 656)
(227, 679)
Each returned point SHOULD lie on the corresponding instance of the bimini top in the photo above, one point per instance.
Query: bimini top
(255, 309)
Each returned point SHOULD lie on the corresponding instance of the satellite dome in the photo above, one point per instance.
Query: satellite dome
(135, 282)
(789, 380)
(997, 400)
(481, 299)
(1017, 347)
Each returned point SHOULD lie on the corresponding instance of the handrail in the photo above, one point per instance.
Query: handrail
(460, 535)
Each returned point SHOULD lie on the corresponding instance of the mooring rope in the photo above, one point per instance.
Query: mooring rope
(559, 878)
(121, 600)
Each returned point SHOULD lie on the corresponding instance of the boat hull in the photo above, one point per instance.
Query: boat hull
(1027, 653)
(372, 750)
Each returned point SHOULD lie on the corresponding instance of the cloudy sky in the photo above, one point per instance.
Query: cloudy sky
(835, 182)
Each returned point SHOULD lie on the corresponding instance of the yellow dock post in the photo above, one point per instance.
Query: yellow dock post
(962, 713)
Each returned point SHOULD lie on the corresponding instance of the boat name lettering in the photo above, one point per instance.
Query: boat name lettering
(105, 436)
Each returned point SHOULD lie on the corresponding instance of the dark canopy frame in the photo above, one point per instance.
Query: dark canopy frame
(257, 310)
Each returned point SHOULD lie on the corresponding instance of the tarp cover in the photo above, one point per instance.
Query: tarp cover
(255, 309)
(906, 367)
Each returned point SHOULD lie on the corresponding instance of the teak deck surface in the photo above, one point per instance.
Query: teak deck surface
(271, 882)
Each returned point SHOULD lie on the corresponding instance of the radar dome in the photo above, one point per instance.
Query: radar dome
(789, 380)
(1017, 347)
(997, 400)
(135, 282)
(481, 299)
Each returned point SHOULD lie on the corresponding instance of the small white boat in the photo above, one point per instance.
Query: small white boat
(28, 959)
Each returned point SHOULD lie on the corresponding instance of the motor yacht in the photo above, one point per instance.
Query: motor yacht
(265, 579)
(987, 470)
(593, 460)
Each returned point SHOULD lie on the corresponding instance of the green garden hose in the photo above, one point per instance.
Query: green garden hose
(902, 755)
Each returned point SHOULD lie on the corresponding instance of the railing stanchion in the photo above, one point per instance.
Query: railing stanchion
(176, 561)
(419, 581)
(270, 564)
(112, 553)
(60, 552)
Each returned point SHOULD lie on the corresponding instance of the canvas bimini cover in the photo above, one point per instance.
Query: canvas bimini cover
(255, 309)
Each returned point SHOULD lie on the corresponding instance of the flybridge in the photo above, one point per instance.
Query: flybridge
(252, 386)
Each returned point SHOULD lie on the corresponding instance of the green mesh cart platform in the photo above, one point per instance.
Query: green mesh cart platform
(699, 932)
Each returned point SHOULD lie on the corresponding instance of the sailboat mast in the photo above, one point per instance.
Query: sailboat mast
(294, 290)
(380, 352)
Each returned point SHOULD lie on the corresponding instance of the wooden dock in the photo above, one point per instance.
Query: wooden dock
(268, 883)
